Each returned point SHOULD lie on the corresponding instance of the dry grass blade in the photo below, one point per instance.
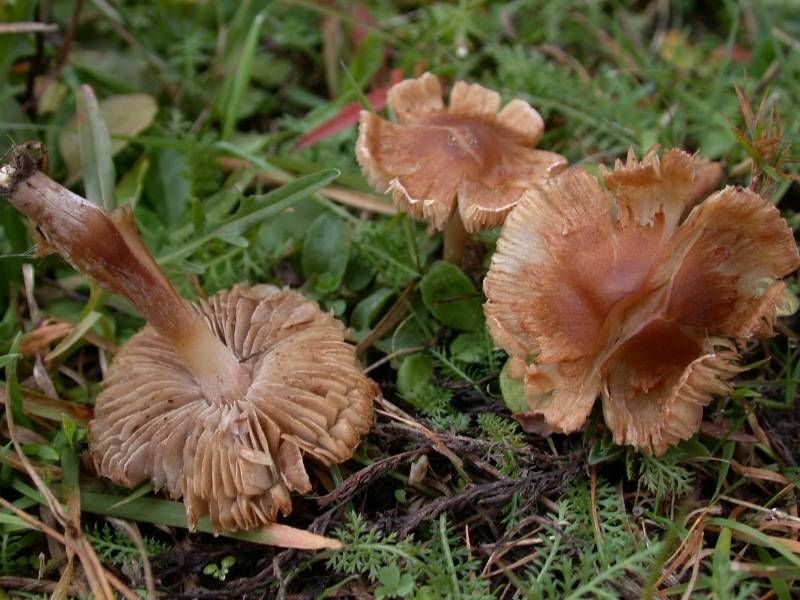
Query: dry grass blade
(28, 27)
(52, 409)
(95, 574)
(598, 532)
(13, 460)
(395, 413)
(52, 533)
(389, 320)
(40, 338)
(691, 544)
(133, 532)
(28, 584)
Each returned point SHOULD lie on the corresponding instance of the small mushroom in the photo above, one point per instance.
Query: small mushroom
(216, 402)
(609, 294)
(462, 167)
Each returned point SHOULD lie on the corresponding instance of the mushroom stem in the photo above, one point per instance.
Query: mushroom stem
(455, 238)
(108, 249)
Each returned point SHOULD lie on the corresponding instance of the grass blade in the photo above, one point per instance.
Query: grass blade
(84, 325)
(173, 514)
(242, 77)
(95, 145)
(756, 537)
(276, 202)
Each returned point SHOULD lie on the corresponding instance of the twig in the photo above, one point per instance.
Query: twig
(96, 575)
(365, 476)
(28, 27)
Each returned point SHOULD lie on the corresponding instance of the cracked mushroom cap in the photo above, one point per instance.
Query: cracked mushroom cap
(609, 294)
(468, 156)
(236, 461)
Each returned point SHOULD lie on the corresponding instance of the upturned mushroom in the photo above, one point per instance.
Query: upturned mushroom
(608, 293)
(216, 402)
(462, 167)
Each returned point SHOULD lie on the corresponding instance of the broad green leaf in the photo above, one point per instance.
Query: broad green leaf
(126, 116)
(468, 347)
(513, 391)
(95, 150)
(366, 312)
(360, 270)
(325, 252)
(451, 297)
(414, 372)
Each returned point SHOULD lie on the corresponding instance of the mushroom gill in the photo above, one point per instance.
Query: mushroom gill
(236, 461)
(216, 402)
(609, 293)
(462, 167)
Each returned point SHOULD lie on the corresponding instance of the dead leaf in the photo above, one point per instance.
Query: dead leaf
(40, 338)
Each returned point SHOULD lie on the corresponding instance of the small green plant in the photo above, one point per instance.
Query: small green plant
(117, 548)
(435, 566)
(220, 571)
(393, 583)
(662, 476)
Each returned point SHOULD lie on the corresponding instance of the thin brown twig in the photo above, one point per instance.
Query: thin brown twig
(95, 573)
(28, 27)
(133, 532)
(389, 320)
(49, 531)
(28, 584)
(595, 516)
(69, 37)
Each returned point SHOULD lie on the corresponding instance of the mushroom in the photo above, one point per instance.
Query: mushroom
(216, 402)
(462, 167)
(609, 294)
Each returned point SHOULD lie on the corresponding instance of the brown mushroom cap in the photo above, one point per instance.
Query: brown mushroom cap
(612, 295)
(235, 461)
(468, 151)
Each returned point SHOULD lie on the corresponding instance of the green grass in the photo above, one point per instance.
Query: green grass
(504, 514)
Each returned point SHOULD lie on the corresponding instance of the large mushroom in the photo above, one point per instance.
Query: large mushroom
(216, 402)
(462, 167)
(608, 293)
